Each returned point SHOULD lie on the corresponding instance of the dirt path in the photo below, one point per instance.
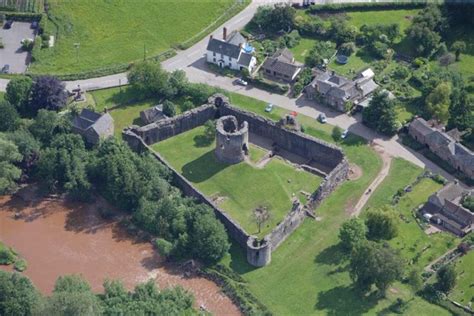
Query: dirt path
(58, 238)
(386, 160)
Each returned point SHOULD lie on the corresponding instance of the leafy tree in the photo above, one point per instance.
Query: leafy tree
(169, 108)
(341, 32)
(165, 248)
(298, 88)
(273, 19)
(352, 232)
(321, 50)
(10, 118)
(372, 263)
(72, 296)
(18, 93)
(446, 278)
(468, 202)
(210, 130)
(446, 59)
(438, 101)
(46, 125)
(9, 173)
(28, 146)
(49, 93)
(149, 79)
(209, 238)
(178, 82)
(415, 280)
(64, 164)
(458, 47)
(336, 133)
(461, 110)
(199, 92)
(18, 296)
(381, 224)
(401, 72)
(186, 106)
(380, 114)
(347, 49)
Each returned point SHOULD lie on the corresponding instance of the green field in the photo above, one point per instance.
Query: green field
(118, 32)
(400, 17)
(302, 50)
(464, 291)
(243, 187)
(418, 248)
(308, 273)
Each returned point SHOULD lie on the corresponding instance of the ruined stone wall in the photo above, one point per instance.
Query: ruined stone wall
(329, 184)
(232, 140)
(233, 228)
(297, 143)
(173, 126)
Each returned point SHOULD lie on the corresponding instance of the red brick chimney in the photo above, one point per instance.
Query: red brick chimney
(224, 35)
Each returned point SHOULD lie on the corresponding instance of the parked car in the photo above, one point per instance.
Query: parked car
(269, 107)
(6, 69)
(8, 24)
(322, 118)
(344, 134)
(242, 82)
(34, 25)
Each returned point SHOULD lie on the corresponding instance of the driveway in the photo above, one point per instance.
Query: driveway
(12, 54)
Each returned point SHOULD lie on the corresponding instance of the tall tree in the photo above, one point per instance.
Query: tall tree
(461, 110)
(49, 93)
(9, 172)
(18, 296)
(380, 114)
(9, 117)
(382, 224)
(438, 101)
(261, 215)
(352, 233)
(372, 263)
(18, 93)
(458, 47)
(149, 79)
(446, 278)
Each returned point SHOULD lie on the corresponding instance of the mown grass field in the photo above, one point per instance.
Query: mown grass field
(401, 17)
(308, 274)
(118, 32)
(464, 290)
(243, 187)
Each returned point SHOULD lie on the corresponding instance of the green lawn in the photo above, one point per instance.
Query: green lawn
(466, 64)
(357, 61)
(302, 50)
(242, 186)
(308, 273)
(464, 290)
(2, 95)
(400, 17)
(118, 32)
(418, 248)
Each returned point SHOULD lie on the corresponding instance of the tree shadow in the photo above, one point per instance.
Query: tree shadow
(238, 261)
(345, 300)
(203, 168)
(202, 141)
(333, 255)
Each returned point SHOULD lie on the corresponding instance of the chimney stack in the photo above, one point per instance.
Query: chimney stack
(211, 37)
(224, 35)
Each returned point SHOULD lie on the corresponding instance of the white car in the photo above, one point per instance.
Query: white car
(242, 82)
(322, 118)
(344, 134)
(269, 107)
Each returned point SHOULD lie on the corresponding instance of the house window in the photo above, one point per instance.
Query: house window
(230, 64)
(214, 60)
(230, 59)
(222, 56)
(214, 54)
(268, 71)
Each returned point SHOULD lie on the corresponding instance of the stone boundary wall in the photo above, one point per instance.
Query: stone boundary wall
(258, 251)
(176, 125)
(298, 143)
(233, 228)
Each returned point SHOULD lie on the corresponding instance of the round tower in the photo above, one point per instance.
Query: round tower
(232, 142)
(259, 253)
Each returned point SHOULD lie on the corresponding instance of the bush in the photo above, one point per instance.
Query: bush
(347, 49)
(165, 248)
(169, 108)
(7, 256)
(186, 106)
(298, 88)
(20, 265)
(336, 133)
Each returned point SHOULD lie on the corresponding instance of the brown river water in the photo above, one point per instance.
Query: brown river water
(58, 237)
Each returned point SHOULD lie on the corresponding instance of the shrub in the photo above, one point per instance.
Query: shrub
(347, 48)
(7, 256)
(169, 108)
(20, 265)
(298, 88)
(187, 105)
(164, 247)
(336, 133)
(468, 202)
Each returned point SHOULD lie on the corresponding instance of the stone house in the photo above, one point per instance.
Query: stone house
(232, 51)
(282, 66)
(447, 211)
(340, 92)
(93, 126)
(152, 115)
(443, 145)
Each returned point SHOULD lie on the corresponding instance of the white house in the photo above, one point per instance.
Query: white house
(230, 52)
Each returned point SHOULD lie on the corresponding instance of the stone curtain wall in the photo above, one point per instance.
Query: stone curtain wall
(297, 143)
(258, 252)
(173, 126)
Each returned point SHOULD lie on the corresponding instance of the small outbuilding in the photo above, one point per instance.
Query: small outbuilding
(93, 126)
(152, 115)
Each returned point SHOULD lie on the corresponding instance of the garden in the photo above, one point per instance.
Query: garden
(240, 188)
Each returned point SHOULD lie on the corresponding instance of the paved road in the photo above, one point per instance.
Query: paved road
(193, 63)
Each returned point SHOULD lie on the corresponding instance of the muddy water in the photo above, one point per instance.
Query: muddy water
(58, 237)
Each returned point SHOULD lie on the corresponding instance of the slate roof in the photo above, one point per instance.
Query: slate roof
(245, 59)
(90, 120)
(221, 47)
(235, 38)
(153, 114)
(282, 62)
(421, 126)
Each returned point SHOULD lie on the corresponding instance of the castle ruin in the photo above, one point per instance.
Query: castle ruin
(232, 141)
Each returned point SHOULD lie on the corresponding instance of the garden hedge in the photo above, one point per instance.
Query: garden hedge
(335, 7)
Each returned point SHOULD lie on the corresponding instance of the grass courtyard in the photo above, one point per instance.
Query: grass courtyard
(464, 290)
(242, 187)
(127, 30)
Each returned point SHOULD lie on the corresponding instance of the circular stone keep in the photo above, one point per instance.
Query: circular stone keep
(232, 141)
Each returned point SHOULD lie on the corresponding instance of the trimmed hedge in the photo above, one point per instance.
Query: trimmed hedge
(336, 7)
(22, 17)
